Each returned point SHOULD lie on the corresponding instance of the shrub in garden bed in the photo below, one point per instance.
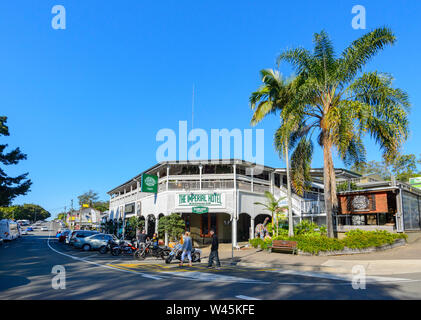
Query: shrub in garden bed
(313, 242)
(359, 239)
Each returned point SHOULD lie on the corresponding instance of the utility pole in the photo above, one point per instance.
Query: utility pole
(192, 110)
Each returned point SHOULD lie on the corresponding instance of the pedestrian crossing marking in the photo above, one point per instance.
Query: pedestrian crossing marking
(175, 267)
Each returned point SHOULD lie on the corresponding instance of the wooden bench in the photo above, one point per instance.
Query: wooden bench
(284, 246)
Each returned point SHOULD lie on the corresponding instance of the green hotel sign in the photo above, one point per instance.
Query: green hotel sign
(200, 210)
(149, 183)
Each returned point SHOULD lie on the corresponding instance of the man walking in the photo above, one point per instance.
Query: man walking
(214, 251)
(142, 238)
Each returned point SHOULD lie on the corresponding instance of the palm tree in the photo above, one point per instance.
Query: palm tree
(271, 205)
(288, 137)
(335, 98)
(271, 97)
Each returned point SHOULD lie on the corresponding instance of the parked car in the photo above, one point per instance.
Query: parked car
(94, 242)
(29, 229)
(63, 235)
(44, 229)
(24, 232)
(80, 234)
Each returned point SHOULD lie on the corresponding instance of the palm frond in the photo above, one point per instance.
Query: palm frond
(356, 56)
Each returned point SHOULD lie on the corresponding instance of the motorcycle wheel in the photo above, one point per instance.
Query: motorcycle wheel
(165, 254)
(196, 257)
(139, 255)
(103, 249)
(115, 252)
(168, 259)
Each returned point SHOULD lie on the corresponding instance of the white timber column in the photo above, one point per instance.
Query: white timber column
(234, 217)
(252, 228)
(156, 224)
(271, 182)
(252, 179)
(146, 224)
(168, 173)
(200, 177)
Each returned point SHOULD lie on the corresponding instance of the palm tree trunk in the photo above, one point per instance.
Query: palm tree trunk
(333, 188)
(327, 180)
(290, 220)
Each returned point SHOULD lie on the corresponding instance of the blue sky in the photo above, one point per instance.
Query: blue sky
(85, 103)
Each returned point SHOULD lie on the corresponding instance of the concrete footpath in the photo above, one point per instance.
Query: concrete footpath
(400, 260)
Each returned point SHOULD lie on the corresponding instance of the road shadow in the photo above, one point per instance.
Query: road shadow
(10, 281)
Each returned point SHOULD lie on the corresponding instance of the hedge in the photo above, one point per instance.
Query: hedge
(355, 239)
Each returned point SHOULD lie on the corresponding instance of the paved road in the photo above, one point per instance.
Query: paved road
(26, 273)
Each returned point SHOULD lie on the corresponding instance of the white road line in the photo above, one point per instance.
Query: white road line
(111, 262)
(204, 276)
(101, 265)
(343, 277)
(246, 298)
(92, 255)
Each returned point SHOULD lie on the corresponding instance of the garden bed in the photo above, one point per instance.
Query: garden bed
(355, 242)
(348, 251)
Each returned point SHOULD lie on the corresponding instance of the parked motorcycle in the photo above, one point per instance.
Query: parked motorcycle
(148, 249)
(177, 251)
(118, 247)
(111, 244)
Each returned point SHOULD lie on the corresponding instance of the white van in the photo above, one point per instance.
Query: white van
(9, 229)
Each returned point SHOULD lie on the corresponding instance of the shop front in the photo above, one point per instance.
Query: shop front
(203, 212)
(393, 209)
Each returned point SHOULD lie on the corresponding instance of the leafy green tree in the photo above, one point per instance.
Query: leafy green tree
(272, 205)
(173, 224)
(372, 167)
(30, 212)
(11, 187)
(132, 225)
(101, 205)
(62, 216)
(403, 167)
(88, 198)
(346, 186)
(340, 102)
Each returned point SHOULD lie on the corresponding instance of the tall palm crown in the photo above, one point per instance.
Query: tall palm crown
(339, 102)
(272, 97)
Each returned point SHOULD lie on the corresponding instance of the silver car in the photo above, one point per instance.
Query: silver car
(95, 242)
